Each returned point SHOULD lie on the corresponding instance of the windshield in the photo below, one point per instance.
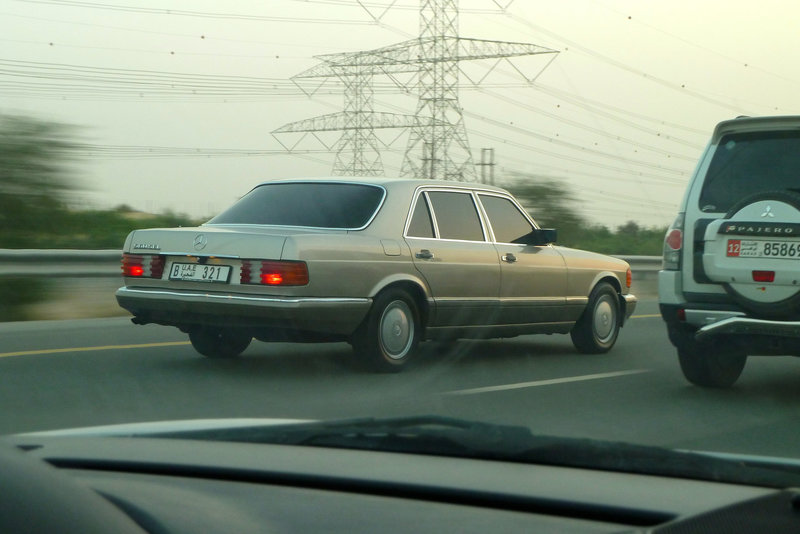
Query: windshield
(303, 204)
(325, 210)
(749, 163)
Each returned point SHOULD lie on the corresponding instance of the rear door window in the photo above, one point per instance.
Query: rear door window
(748, 163)
(421, 224)
(456, 216)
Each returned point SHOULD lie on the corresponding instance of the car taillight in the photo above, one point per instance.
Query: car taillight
(764, 276)
(628, 278)
(284, 273)
(244, 272)
(138, 266)
(274, 273)
(673, 245)
(157, 266)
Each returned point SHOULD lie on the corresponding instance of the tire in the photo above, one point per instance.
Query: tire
(598, 327)
(218, 342)
(711, 368)
(390, 334)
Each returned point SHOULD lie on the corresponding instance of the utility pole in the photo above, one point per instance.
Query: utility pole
(487, 160)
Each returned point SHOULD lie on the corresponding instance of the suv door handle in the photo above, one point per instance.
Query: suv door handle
(424, 254)
(508, 258)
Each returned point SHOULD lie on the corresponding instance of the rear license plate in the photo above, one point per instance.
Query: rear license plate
(200, 273)
(742, 248)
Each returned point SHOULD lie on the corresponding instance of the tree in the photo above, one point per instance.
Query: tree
(551, 204)
(34, 177)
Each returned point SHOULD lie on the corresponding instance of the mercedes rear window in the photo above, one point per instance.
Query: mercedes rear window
(314, 205)
(748, 163)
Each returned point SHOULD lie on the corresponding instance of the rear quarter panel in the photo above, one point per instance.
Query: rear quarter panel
(354, 264)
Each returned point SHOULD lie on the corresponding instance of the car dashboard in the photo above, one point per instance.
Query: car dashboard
(182, 486)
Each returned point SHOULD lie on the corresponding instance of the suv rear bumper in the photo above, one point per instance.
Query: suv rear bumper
(748, 326)
(725, 325)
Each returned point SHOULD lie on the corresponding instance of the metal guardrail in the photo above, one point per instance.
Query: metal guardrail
(60, 263)
(64, 263)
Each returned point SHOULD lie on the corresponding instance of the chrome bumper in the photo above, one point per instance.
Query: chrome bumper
(313, 314)
(630, 305)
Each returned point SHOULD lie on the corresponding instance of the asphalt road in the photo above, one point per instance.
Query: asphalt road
(60, 374)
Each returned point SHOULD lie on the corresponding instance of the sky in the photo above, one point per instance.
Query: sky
(175, 101)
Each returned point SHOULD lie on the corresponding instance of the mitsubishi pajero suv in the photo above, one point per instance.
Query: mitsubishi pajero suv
(730, 283)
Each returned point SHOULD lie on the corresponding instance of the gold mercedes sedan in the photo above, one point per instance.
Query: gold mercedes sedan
(380, 263)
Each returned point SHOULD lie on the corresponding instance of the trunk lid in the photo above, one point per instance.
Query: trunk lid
(228, 242)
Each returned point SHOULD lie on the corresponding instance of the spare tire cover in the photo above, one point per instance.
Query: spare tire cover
(760, 233)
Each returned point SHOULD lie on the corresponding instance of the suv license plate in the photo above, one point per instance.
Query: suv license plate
(741, 248)
(200, 273)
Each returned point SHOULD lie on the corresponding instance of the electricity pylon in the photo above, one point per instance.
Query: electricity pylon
(438, 146)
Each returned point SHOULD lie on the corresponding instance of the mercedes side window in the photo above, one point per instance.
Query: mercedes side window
(456, 216)
(421, 224)
(509, 224)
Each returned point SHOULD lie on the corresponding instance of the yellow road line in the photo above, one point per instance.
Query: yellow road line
(164, 344)
(86, 349)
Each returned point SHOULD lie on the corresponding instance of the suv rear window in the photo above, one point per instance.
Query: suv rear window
(748, 163)
(314, 205)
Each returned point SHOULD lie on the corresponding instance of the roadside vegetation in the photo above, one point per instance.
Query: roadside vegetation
(39, 189)
(553, 205)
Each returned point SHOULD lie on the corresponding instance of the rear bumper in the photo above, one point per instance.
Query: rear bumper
(185, 308)
(728, 326)
(748, 326)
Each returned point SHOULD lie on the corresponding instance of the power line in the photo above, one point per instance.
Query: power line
(201, 14)
(193, 36)
(582, 126)
(737, 61)
(622, 66)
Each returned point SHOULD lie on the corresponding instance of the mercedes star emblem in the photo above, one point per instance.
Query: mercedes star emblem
(200, 241)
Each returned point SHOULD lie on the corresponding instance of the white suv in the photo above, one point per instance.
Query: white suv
(730, 283)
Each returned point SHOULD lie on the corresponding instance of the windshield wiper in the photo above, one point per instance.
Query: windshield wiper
(447, 436)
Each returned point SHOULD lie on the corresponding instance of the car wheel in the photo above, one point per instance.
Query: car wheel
(711, 368)
(218, 342)
(389, 336)
(598, 327)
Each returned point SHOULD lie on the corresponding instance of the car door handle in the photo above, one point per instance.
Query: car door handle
(508, 258)
(424, 254)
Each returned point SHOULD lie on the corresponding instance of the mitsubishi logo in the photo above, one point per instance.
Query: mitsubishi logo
(768, 212)
(200, 241)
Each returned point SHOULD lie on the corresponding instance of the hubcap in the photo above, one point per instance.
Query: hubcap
(396, 330)
(604, 320)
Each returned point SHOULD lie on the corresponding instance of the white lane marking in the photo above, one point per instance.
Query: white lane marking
(549, 382)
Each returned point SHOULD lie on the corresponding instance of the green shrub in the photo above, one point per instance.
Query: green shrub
(16, 293)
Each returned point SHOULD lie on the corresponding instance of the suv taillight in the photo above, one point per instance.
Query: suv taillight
(673, 245)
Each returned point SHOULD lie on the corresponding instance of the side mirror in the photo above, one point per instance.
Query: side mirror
(539, 237)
